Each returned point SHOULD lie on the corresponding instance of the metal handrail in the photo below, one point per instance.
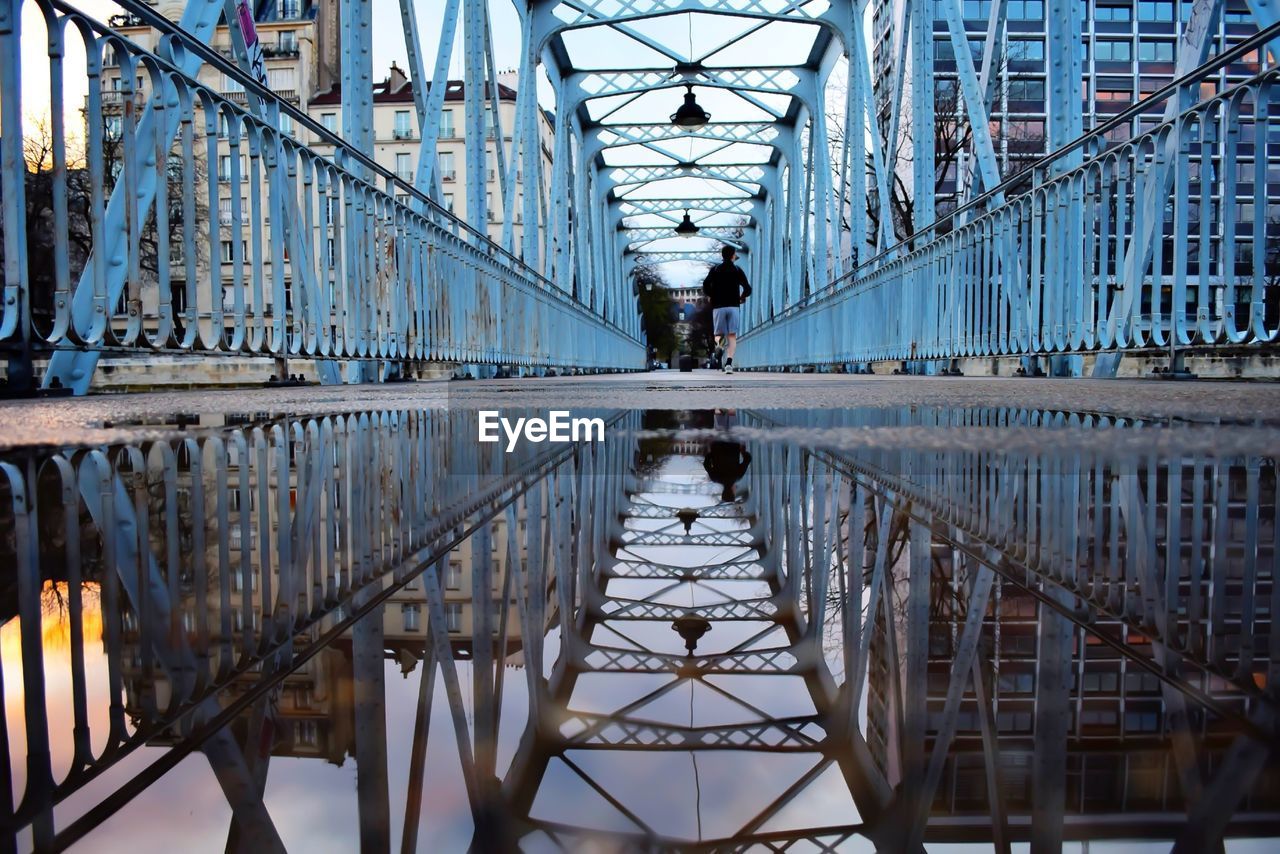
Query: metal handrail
(216, 60)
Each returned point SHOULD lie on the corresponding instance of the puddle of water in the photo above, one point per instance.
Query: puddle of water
(862, 629)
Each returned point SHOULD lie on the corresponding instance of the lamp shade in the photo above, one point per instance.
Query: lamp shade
(686, 228)
(690, 115)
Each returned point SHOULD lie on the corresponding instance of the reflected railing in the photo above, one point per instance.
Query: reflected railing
(905, 636)
(202, 562)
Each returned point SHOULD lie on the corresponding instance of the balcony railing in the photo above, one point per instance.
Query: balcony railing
(402, 133)
(124, 20)
(281, 51)
(290, 95)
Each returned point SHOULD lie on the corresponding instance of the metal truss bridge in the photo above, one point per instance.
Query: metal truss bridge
(1152, 230)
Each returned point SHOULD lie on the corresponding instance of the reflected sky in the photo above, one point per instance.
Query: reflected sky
(712, 629)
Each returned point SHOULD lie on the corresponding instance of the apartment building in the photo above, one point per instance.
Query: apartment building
(1120, 769)
(397, 141)
(1129, 49)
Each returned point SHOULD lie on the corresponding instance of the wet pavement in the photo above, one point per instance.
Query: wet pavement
(121, 417)
(850, 614)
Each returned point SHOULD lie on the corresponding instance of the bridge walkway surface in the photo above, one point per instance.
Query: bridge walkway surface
(110, 417)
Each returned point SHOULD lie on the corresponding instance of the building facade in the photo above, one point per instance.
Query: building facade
(1129, 50)
(397, 142)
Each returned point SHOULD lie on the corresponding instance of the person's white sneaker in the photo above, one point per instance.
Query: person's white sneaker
(728, 369)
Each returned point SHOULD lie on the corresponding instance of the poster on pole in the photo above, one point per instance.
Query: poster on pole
(253, 48)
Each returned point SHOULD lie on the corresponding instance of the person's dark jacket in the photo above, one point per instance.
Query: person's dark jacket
(726, 285)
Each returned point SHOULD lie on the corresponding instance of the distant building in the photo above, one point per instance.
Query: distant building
(688, 300)
(397, 141)
(1129, 51)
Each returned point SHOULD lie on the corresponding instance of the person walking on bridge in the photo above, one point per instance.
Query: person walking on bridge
(727, 287)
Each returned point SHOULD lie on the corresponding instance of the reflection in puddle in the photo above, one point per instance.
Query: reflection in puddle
(712, 630)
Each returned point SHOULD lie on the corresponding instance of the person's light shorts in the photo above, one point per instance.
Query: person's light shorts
(725, 321)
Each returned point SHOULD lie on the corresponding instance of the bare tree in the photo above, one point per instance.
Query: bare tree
(42, 234)
(953, 143)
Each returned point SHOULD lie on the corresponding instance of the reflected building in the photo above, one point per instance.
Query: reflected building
(1124, 728)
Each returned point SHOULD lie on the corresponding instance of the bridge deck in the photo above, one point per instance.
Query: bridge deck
(121, 417)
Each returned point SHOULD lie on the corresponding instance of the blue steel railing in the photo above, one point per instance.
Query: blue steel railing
(1053, 259)
(254, 243)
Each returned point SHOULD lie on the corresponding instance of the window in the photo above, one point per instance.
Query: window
(287, 10)
(1027, 129)
(974, 10)
(224, 167)
(403, 129)
(1139, 682)
(287, 41)
(1021, 50)
(1113, 13)
(409, 614)
(113, 126)
(286, 124)
(1112, 92)
(488, 206)
(1010, 722)
(453, 578)
(1142, 720)
(446, 124)
(448, 205)
(1098, 719)
(488, 122)
(404, 170)
(447, 172)
(1108, 50)
(1026, 10)
(306, 733)
(230, 84)
(281, 79)
(453, 616)
(1156, 10)
(1150, 51)
(1015, 683)
(237, 578)
(1026, 90)
(224, 211)
(1105, 682)
(330, 122)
